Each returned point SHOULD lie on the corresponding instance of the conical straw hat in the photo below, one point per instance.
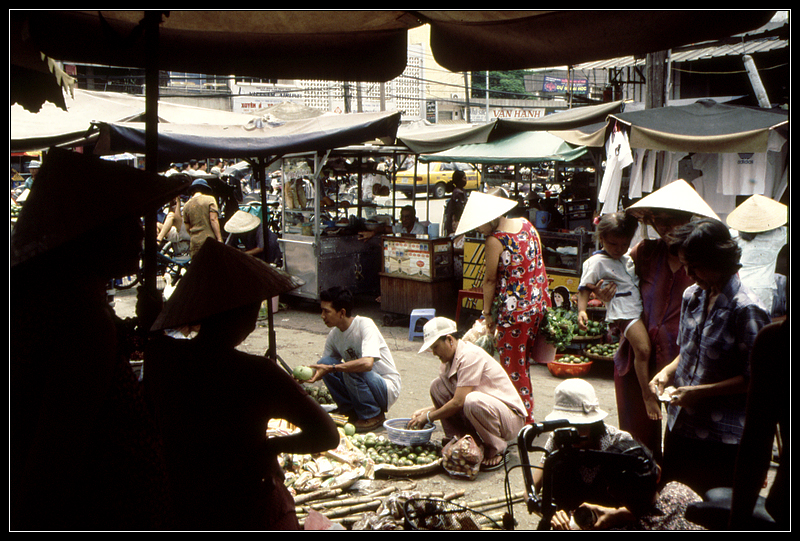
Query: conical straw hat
(221, 278)
(242, 222)
(677, 195)
(78, 193)
(758, 214)
(482, 208)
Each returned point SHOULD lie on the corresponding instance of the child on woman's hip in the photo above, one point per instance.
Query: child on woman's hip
(613, 264)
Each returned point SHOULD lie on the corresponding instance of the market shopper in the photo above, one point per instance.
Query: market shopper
(356, 364)
(33, 169)
(213, 402)
(759, 226)
(455, 205)
(245, 232)
(174, 228)
(201, 215)
(662, 280)
(472, 395)
(84, 452)
(719, 321)
(515, 285)
(408, 226)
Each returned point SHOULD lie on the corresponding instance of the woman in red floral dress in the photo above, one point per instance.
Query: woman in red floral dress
(515, 285)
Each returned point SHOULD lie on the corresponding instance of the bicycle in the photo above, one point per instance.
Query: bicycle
(168, 263)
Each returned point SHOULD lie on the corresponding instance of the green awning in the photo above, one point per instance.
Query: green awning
(521, 148)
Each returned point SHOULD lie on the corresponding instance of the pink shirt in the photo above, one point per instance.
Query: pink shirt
(473, 367)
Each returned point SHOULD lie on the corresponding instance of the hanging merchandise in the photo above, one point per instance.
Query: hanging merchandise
(643, 172)
(618, 156)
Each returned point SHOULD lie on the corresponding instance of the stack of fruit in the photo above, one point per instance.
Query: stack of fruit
(602, 351)
(384, 452)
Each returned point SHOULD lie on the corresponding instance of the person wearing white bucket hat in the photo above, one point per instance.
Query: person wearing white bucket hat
(472, 395)
(575, 401)
(662, 280)
(515, 284)
(759, 226)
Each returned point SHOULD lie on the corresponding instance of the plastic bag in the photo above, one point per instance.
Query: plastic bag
(462, 458)
(479, 335)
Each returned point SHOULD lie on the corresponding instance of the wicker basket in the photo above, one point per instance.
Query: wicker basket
(398, 434)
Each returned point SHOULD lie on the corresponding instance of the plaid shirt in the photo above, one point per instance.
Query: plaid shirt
(715, 348)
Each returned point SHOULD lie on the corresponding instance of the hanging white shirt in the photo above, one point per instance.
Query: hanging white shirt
(618, 156)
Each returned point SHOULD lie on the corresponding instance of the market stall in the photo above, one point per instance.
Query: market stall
(565, 250)
(724, 150)
(263, 144)
(319, 238)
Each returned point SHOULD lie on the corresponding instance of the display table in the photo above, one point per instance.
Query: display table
(417, 273)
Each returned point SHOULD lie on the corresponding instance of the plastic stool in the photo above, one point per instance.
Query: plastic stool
(419, 313)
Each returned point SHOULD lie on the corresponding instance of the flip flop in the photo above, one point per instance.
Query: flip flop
(497, 466)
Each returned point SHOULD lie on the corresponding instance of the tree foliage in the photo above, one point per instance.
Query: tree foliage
(502, 85)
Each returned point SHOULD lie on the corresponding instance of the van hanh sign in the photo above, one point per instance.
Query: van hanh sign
(514, 112)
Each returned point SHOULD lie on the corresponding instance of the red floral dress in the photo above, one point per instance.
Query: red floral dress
(521, 298)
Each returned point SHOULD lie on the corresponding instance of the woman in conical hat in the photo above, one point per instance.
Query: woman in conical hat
(761, 235)
(515, 285)
(662, 280)
(213, 401)
(84, 454)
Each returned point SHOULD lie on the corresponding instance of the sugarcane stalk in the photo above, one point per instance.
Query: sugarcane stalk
(454, 495)
(344, 511)
(320, 494)
(493, 501)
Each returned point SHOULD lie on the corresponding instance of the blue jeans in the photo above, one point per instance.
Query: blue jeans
(361, 392)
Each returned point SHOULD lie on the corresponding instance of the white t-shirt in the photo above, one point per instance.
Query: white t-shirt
(363, 339)
(417, 229)
(627, 303)
(759, 259)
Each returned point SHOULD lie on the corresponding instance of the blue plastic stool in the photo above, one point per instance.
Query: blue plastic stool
(420, 313)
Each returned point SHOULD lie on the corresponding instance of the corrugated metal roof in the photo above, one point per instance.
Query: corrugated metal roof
(750, 47)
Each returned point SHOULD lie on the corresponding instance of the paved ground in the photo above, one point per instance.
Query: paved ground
(300, 335)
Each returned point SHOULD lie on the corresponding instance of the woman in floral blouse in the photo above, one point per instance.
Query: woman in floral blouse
(515, 285)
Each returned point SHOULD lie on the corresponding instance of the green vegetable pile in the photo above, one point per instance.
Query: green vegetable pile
(559, 326)
(572, 359)
(593, 328)
(321, 394)
(603, 350)
(383, 451)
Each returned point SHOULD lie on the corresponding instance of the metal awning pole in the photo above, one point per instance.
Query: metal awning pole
(149, 300)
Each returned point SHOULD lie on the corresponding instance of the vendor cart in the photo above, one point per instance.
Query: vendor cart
(320, 244)
(417, 273)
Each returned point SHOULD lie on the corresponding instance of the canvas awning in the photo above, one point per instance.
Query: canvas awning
(518, 149)
(371, 44)
(178, 142)
(568, 124)
(704, 127)
(435, 138)
(53, 126)
(359, 45)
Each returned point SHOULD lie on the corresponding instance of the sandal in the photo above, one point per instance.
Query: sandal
(492, 467)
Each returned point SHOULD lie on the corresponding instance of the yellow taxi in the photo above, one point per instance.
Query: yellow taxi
(440, 174)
